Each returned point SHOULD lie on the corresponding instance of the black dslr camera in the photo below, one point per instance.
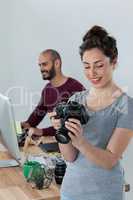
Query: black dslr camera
(64, 111)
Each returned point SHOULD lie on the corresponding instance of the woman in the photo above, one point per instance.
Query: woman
(95, 150)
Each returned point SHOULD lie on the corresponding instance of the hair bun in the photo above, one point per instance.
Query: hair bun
(95, 31)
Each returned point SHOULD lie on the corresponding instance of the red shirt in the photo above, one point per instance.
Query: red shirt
(50, 97)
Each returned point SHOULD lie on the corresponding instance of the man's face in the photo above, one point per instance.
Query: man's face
(47, 66)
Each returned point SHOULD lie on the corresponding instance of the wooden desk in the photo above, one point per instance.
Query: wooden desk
(13, 185)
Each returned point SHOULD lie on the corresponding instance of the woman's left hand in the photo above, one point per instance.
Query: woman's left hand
(76, 132)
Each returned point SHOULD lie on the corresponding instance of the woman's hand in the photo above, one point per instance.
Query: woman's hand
(76, 132)
(56, 123)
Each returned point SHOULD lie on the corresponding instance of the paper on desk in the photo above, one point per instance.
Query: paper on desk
(2, 148)
(18, 127)
(41, 159)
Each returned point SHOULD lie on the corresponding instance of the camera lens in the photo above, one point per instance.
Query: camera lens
(62, 135)
(65, 111)
(60, 169)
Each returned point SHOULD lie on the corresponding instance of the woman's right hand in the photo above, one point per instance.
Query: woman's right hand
(56, 123)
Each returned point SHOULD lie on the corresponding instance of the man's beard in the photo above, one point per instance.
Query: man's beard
(49, 74)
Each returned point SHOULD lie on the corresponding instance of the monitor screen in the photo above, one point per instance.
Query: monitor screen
(8, 127)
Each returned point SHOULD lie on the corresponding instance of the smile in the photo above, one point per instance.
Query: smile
(96, 80)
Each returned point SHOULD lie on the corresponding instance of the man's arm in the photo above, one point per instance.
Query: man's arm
(49, 131)
(37, 115)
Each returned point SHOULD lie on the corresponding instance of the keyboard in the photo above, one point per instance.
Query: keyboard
(50, 147)
(8, 163)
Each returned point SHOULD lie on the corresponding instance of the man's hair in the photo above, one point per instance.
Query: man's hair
(54, 54)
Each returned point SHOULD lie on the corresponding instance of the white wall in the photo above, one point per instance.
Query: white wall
(29, 26)
(5, 51)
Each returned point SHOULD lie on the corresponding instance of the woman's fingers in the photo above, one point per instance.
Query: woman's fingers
(76, 121)
(74, 126)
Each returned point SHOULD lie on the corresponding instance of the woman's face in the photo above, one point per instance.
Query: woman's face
(97, 68)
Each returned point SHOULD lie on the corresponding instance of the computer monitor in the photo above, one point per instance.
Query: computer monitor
(8, 127)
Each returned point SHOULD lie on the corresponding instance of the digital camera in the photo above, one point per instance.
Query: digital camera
(64, 111)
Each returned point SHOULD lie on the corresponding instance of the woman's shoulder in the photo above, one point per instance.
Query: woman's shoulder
(125, 117)
(126, 103)
(126, 99)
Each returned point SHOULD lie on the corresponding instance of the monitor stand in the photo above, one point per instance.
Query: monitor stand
(9, 163)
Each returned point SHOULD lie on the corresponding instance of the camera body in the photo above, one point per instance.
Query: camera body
(64, 110)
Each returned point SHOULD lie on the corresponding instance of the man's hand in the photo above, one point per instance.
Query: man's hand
(25, 125)
(35, 131)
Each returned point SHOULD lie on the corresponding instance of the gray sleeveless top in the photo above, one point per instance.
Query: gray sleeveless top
(83, 179)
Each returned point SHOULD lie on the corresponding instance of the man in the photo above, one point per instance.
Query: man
(59, 89)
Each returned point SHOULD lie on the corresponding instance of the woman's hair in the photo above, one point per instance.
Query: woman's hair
(98, 37)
